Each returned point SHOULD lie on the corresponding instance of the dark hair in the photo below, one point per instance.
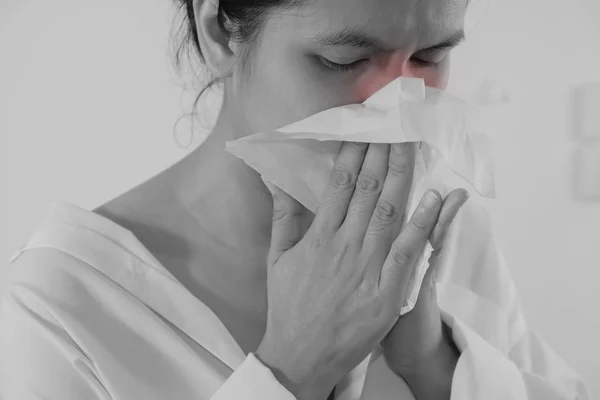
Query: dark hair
(243, 20)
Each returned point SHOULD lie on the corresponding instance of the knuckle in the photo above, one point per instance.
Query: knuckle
(279, 214)
(367, 183)
(400, 167)
(400, 255)
(342, 178)
(282, 212)
(385, 211)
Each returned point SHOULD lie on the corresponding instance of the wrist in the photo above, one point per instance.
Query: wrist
(269, 358)
(440, 361)
(431, 377)
(298, 381)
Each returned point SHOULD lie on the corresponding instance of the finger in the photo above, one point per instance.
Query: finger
(288, 226)
(399, 264)
(387, 219)
(336, 197)
(369, 185)
(450, 207)
(427, 297)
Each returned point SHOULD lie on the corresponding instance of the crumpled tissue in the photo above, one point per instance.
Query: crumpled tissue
(454, 149)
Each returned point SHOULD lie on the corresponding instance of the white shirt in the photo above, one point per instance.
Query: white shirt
(89, 313)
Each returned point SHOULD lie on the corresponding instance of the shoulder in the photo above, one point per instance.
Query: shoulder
(69, 271)
(64, 302)
(43, 295)
(47, 278)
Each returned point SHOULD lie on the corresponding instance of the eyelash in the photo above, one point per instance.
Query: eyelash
(354, 65)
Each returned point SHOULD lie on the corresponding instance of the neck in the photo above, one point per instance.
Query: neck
(225, 197)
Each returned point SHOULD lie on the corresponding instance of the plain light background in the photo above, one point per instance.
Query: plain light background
(88, 103)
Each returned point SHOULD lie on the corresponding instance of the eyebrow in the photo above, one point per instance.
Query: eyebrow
(354, 38)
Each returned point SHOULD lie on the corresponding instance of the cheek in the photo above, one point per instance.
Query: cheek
(379, 74)
(278, 94)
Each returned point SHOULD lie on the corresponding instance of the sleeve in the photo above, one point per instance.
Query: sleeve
(501, 358)
(39, 358)
(252, 381)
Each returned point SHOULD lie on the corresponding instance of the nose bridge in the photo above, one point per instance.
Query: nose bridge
(382, 73)
(395, 67)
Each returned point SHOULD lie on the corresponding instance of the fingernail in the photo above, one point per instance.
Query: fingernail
(432, 199)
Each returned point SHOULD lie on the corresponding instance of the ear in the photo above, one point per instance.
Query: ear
(214, 42)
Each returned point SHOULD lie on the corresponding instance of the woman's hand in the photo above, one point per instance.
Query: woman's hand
(336, 290)
(419, 347)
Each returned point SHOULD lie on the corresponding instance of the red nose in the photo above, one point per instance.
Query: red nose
(379, 73)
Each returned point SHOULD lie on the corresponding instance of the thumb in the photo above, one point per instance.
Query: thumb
(289, 223)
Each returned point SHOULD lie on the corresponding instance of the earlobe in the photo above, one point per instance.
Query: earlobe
(214, 42)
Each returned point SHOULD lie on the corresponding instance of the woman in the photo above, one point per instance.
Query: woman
(198, 284)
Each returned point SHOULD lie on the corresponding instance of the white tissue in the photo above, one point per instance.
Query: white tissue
(455, 150)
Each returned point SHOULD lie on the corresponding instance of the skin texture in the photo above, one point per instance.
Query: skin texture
(207, 218)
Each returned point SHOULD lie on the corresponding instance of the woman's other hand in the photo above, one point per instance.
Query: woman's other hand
(336, 290)
(419, 348)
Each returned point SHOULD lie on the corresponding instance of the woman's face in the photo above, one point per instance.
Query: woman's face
(303, 64)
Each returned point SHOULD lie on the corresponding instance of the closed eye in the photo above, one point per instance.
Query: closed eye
(341, 67)
(351, 66)
(424, 63)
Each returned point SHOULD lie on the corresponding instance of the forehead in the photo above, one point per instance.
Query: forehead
(398, 23)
